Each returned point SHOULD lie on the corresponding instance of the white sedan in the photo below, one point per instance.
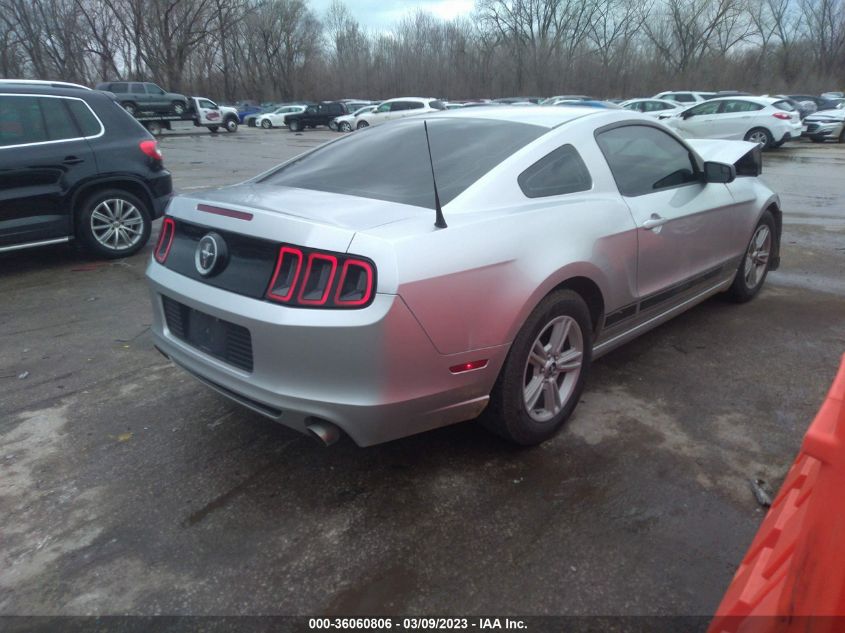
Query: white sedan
(398, 108)
(346, 123)
(653, 107)
(278, 117)
(767, 121)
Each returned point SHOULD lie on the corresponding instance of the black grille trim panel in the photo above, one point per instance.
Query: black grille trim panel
(232, 343)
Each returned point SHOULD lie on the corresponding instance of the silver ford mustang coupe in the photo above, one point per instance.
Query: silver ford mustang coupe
(474, 269)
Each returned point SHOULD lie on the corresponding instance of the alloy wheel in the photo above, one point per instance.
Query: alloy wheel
(552, 369)
(757, 256)
(117, 224)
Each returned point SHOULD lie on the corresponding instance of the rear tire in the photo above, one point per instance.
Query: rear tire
(155, 128)
(760, 135)
(130, 106)
(544, 373)
(755, 263)
(113, 223)
(265, 124)
(361, 125)
(294, 126)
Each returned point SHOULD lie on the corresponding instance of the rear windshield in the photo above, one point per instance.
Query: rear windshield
(390, 162)
(784, 105)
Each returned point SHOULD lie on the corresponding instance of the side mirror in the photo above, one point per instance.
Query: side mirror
(719, 172)
(687, 114)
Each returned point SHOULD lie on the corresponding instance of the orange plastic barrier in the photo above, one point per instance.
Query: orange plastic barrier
(795, 566)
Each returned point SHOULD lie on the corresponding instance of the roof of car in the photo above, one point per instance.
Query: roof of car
(40, 82)
(760, 100)
(42, 89)
(543, 117)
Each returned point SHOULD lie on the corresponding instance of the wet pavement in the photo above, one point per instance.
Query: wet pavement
(127, 487)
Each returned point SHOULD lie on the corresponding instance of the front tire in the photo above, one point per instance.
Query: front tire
(760, 135)
(544, 373)
(178, 108)
(755, 263)
(345, 126)
(231, 124)
(113, 223)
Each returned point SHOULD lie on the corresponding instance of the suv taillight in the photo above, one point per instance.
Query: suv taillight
(316, 279)
(165, 240)
(150, 148)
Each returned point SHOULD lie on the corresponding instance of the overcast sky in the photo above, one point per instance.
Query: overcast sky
(382, 14)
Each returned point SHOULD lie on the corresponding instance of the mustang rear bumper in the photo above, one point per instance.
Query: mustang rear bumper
(372, 372)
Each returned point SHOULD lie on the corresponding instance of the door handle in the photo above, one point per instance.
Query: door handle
(73, 160)
(654, 222)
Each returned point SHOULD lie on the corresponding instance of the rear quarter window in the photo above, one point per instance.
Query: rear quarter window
(559, 172)
(88, 123)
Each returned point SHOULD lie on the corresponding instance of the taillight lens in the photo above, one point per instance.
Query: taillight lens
(316, 279)
(783, 116)
(150, 148)
(165, 240)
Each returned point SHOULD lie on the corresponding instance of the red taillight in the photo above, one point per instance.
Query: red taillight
(356, 283)
(310, 279)
(317, 283)
(783, 116)
(287, 272)
(474, 364)
(165, 240)
(150, 148)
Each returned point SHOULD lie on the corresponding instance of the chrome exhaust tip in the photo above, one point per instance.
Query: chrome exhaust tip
(324, 431)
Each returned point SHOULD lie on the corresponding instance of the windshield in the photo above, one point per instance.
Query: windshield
(396, 158)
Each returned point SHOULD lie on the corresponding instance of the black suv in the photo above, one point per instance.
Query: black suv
(75, 165)
(314, 115)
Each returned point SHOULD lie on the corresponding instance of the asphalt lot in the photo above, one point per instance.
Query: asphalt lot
(127, 487)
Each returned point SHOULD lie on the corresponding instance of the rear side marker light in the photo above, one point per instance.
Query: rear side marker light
(317, 283)
(288, 266)
(165, 240)
(474, 364)
(356, 283)
(782, 116)
(229, 213)
(150, 148)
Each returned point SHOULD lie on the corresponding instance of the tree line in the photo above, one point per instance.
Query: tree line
(283, 49)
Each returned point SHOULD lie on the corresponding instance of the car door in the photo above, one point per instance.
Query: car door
(680, 218)
(380, 114)
(411, 108)
(138, 94)
(42, 155)
(699, 121)
(208, 112)
(736, 117)
(157, 97)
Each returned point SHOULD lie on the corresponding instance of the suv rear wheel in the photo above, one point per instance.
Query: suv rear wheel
(294, 126)
(113, 223)
(130, 106)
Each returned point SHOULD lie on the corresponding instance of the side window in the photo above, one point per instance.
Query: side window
(632, 106)
(335, 108)
(682, 97)
(644, 159)
(384, 107)
(415, 105)
(740, 106)
(655, 106)
(311, 110)
(85, 119)
(205, 103)
(154, 90)
(60, 125)
(21, 121)
(708, 107)
(119, 88)
(559, 172)
(137, 89)
(398, 106)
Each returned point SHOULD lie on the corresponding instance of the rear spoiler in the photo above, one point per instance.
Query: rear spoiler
(746, 157)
